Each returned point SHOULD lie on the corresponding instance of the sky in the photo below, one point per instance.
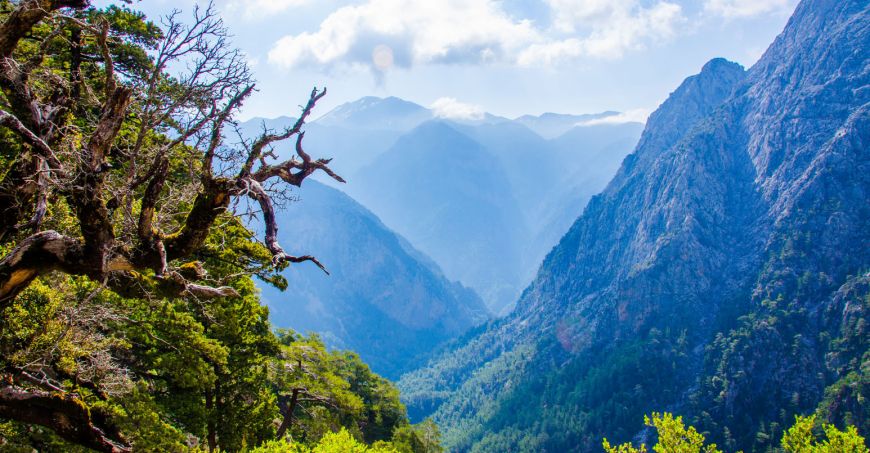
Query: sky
(506, 57)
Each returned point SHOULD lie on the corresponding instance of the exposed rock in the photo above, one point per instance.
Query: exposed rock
(701, 279)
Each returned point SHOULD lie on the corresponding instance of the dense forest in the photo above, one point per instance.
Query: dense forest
(129, 320)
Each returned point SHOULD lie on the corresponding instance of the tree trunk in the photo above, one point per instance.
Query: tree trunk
(288, 415)
(211, 436)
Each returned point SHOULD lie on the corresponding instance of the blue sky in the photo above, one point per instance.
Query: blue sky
(507, 57)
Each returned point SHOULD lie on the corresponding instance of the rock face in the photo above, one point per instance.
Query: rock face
(383, 299)
(722, 274)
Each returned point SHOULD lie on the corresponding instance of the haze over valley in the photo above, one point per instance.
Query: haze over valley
(508, 226)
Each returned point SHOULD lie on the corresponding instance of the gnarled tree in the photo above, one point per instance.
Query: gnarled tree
(93, 123)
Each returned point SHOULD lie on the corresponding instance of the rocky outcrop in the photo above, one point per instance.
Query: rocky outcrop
(705, 278)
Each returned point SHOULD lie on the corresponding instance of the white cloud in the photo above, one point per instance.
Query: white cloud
(631, 116)
(450, 108)
(551, 52)
(568, 15)
(614, 27)
(476, 31)
(745, 8)
(416, 32)
(261, 8)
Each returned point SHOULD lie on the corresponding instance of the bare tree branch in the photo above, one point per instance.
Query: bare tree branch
(13, 123)
(28, 13)
(256, 192)
(285, 170)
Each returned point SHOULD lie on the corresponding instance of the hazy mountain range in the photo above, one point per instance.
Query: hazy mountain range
(490, 188)
(382, 298)
(721, 275)
(463, 193)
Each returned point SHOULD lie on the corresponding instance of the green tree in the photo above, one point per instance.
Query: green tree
(307, 381)
(423, 437)
(800, 438)
(338, 442)
(382, 412)
(321, 392)
(129, 318)
(673, 437)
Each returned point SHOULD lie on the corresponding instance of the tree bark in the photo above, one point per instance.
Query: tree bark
(211, 202)
(288, 415)
(49, 250)
(39, 253)
(211, 436)
(65, 414)
(29, 13)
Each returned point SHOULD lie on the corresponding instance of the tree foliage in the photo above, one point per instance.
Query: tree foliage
(800, 438)
(317, 394)
(129, 318)
(339, 442)
(675, 437)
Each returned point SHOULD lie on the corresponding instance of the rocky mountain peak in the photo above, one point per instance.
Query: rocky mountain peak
(717, 275)
(372, 112)
(692, 101)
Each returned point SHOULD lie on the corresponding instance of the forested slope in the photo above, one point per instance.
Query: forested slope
(722, 274)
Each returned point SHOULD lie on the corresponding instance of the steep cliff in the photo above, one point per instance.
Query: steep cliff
(722, 273)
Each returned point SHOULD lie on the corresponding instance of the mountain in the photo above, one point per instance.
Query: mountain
(530, 163)
(585, 144)
(552, 125)
(553, 179)
(537, 202)
(351, 149)
(354, 133)
(485, 119)
(383, 299)
(499, 201)
(534, 174)
(590, 156)
(722, 274)
(372, 112)
(450, 197)
(256, 126)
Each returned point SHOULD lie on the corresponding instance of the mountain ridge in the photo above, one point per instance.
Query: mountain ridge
(719, 241)
(377, 279)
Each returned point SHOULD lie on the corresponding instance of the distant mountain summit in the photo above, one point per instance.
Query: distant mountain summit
(490, 224)
(552, 125)
(371, 112)
(451, 198)
(722, 274)
(354, 133)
